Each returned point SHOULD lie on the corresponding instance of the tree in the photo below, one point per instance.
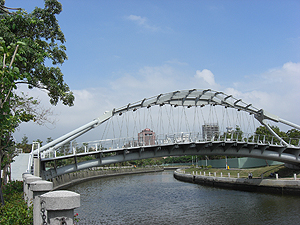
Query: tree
(27, 42)
(294, 135)
(264, 134)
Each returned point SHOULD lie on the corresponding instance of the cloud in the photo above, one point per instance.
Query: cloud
(276, 91)
(143, 22)
(138, 19)
(207, 76)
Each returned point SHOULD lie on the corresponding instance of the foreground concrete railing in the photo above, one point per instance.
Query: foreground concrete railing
(49, 207)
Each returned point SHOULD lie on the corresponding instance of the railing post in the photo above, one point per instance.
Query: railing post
(28, 195)
(38, 188)
(25, 187)
(60, 206)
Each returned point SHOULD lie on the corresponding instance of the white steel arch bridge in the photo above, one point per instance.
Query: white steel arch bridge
(48, 164)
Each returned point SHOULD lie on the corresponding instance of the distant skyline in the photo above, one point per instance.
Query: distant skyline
(124, 51)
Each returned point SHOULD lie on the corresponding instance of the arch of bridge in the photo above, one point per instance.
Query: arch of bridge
(185, 98)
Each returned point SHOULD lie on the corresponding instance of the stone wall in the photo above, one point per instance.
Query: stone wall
(282, 186)
(70, 179)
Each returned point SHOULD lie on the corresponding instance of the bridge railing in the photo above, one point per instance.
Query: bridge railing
(109, 145)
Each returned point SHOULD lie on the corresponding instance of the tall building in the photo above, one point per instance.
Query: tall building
(210, 130)
(146, 137)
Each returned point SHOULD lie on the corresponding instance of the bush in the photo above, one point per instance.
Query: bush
(15, 210)
(13, 187)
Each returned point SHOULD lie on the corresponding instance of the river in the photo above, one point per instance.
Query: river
(158, 198)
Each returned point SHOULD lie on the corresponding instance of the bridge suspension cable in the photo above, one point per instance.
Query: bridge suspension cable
(185, 99)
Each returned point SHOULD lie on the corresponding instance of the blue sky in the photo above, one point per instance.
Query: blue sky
(124, 51)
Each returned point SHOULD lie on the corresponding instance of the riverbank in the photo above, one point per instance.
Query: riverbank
(276, 186)
(70, 179)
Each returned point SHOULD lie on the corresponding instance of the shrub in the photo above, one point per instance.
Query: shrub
(15, 210)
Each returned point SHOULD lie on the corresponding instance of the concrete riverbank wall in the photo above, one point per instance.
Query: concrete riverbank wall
(70, 179)
(281, 186)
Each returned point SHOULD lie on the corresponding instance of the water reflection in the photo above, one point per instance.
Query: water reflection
(157, 198)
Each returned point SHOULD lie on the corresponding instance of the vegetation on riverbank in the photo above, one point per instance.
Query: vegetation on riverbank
(15, 210)
(267, 171)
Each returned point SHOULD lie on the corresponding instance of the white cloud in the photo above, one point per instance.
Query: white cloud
(140, 20)
(207, 76)
(143, 22)
(276, 91)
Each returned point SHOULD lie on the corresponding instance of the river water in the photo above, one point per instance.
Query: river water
(158, 198)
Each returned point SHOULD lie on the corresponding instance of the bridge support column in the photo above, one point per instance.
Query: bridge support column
(60, 206)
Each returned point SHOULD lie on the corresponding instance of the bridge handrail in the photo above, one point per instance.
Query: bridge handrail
(110, 145)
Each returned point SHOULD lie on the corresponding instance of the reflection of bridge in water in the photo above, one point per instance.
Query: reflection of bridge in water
(211, 130)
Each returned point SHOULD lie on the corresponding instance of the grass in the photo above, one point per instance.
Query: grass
(281, 170)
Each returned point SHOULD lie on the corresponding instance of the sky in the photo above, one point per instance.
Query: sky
(123, 51)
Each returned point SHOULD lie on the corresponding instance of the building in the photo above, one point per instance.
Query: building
(209, 131)
(146, 137)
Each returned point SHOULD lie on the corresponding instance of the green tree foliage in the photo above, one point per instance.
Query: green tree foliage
(24, 145)
(28, 42)
(43, 40)
(291, 136)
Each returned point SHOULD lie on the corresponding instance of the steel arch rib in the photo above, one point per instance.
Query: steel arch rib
(192, 97)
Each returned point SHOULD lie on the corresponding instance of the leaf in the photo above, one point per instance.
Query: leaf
(16, 69)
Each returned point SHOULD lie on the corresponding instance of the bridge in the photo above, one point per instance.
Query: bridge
(189, 122)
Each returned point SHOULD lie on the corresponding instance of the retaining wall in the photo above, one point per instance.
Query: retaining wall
(256, 185)
(70, 179)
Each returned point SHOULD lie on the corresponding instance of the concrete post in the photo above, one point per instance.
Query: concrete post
(208, 173)
(276, 176)
(38, 188)
(200, 173)
(295, 176)
(60, 206)
(228, 174)
(215, 174)
(36, 166)
(221, 174)
(238, 175)
(203, 173)
(28, 193)
(25, 188)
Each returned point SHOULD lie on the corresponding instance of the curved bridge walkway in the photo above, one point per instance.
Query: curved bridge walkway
(48, 161)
